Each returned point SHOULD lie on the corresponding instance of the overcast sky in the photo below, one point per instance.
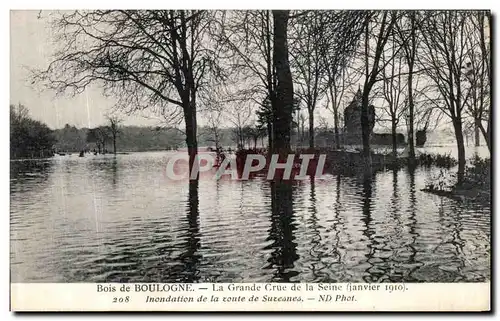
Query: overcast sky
(31, 47)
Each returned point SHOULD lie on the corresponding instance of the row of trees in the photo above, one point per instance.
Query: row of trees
(429, 64)
(129, 139)
(183, 62)
(135, 138)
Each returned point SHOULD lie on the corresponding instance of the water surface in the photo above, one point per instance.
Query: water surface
(118, 219)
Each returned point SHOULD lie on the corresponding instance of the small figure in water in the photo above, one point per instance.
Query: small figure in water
(220, 156)
(81, 153)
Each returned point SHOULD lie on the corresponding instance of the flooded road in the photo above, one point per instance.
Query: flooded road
(118, 219)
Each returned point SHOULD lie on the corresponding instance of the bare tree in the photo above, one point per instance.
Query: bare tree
(246, 39)
(144, 58)
(486, 54)
(302, 126)
(470, 131)
(378, 28)
(264, 120)
(239, 115)
(408, 32)
(322, 46)
(214, 119)
(323, 123)
(394, 90)
(342, 34)
(338, 93)
(213, 106)
(114, 128)
(254, 133)
(18, 113)
(99, 136)
(307, 50)
(445, 54)
(256, 44)
(477, 75)
(427, 112)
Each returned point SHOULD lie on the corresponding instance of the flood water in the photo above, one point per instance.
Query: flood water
(118, 219)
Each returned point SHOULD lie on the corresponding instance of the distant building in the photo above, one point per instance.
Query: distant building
(352, 120)
(352, 127)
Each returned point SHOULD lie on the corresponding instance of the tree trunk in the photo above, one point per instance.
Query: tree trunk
(476, 134)
(216, 140)
(337, 136)
(365, 131)
(302, 133)
(335, 109)
(394, 139)
(241, 144)
(114, 143)
(486, 135)
(457, 124)
(270, 135)
(191, 127)
(282, 228)
(336, 125)
(488, 131)
(283, 103)
(411, 116)
(297, 141)
(311, 129)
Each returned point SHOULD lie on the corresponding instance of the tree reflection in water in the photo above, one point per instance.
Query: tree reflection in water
(337, 224)
(114, 171)
(316, 253)
(368, 232)
(191, 258)
(391, 258)
(282, 229)
(412, 224)
(35, 171)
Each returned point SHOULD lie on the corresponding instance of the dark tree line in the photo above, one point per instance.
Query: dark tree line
(29, 138)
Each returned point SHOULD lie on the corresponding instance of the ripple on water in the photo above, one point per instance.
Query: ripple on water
(104, 220)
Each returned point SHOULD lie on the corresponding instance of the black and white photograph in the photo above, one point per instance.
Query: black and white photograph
(250, 146)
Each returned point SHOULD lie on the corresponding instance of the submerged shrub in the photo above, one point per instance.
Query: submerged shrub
(478, 174)
(440, 182)
(475, 185)
(444, 161)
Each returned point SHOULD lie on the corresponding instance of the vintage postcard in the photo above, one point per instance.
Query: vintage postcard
(250, 160)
